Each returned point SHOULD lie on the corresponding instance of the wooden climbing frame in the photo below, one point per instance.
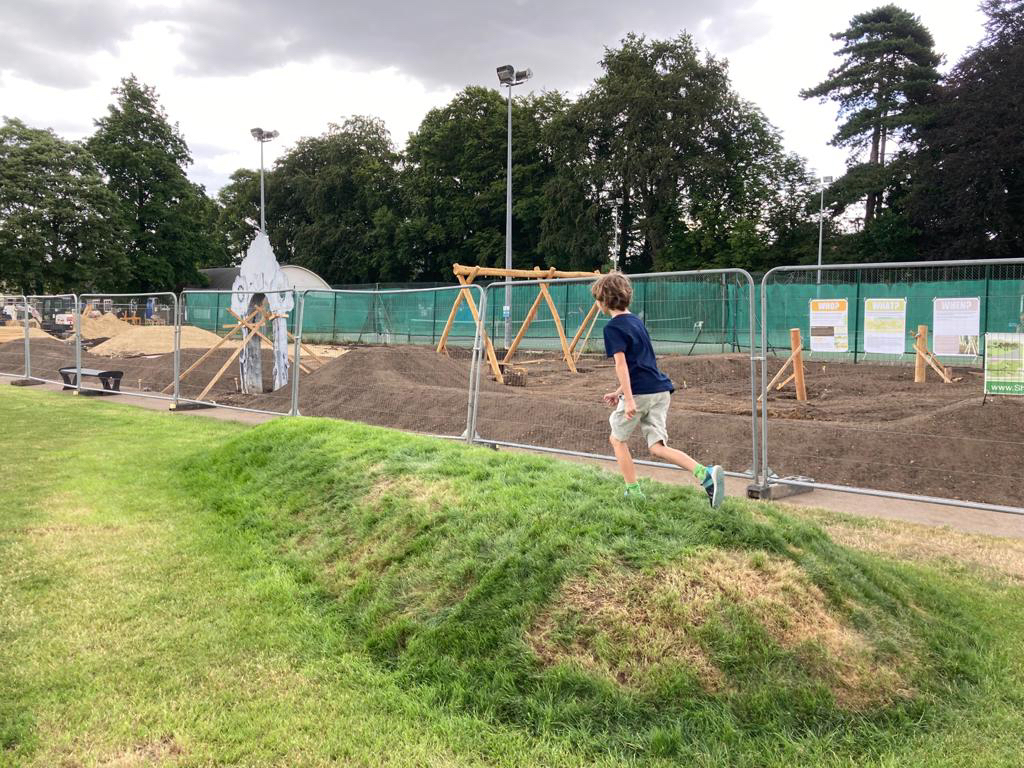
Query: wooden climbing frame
(924, 358)
(466, 276)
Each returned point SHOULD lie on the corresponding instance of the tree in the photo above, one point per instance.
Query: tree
(454, 182)
(238, 219)
(663, 131)
(60, 229)
(967, 196)
(144, 158)
(888, 72)
(333, 204)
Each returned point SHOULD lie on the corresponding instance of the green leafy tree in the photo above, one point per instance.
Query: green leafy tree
(454, 182)
(333, 204)
(662, 131)
(967, 196)
(238, 219)
(888, 72)
(144, 158)
(60, 228)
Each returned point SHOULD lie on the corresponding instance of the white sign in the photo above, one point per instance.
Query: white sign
(829, 328)
(956, 326)
(1004, 363)
(885, 326)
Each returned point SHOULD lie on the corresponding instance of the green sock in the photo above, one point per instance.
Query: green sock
(700, 472)
(633, 487)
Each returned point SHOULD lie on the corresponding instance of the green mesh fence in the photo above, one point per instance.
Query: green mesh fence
(366, 317)
(999, 290)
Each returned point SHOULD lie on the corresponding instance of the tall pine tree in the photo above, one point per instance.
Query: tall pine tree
(888, 71)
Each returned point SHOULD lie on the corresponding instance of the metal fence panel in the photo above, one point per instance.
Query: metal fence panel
(372, 357)
(217, 330)
(16, 324)
(866, 425)
(132, 335)
(53, 348)
(700, 324)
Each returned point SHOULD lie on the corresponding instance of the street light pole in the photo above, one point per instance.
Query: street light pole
(262, 137)
(509, 76)
(821, 221)
(507, 310)
(615, 237)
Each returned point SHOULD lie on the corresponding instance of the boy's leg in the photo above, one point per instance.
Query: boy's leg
(624, 459)
(674, 456)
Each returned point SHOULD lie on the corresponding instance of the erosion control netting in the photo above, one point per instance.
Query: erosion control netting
(378, 362)
(214, 338)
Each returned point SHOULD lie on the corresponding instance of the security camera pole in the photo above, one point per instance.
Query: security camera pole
(509, 76)
(262, 137)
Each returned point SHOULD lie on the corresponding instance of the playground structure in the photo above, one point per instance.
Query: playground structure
(571, 350)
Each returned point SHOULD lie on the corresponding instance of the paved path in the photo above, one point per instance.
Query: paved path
(967, 520)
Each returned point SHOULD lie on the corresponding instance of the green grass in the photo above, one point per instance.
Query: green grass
(178, 591)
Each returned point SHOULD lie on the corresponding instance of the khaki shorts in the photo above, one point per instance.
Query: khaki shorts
(651, 415)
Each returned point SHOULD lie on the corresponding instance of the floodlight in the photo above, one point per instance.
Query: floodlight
(522, 75)
(506, 74)
(826, 179)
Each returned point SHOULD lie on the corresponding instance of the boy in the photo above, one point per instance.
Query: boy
(644, 391)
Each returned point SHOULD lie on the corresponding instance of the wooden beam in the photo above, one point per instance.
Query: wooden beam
(216, 378)
(523, 328)
(920, 347)
(797, 345)
(558, 326)
(576, 338)
(210, 351)
(583, 346)
(463, 271)
(492, 358)
(455, 307)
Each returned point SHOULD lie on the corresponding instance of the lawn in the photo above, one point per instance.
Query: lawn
(178, 591)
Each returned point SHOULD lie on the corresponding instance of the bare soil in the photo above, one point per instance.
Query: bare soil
(865, 425)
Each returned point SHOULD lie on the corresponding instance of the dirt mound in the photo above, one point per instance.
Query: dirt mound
(15, 332)
(154, 340)
(103, 326)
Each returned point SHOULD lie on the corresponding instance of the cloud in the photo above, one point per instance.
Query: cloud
(48, 41)
(443, 44)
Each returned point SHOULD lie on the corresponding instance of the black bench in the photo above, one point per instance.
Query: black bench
(111, 380)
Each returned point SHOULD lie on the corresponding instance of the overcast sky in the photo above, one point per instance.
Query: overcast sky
(223, 67)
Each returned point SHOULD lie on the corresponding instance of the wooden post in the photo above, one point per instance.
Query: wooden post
(920, 348)
(523, 328)
(492, 358)
(558, 327)
(797, 345)
(463, 294)
(590, 316)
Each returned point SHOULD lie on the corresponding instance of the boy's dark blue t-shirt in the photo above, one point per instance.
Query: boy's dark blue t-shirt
(627, 333)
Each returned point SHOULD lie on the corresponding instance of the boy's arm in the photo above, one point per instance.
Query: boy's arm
(622, 374)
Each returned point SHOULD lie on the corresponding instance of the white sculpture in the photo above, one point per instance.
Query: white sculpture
(261, 279)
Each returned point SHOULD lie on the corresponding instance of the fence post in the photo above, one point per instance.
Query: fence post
(856, 319)
(334, 320)
(982, 350)
(300, 299)
(78, 347)
(177, 350)
(28, 352)
(433, 322)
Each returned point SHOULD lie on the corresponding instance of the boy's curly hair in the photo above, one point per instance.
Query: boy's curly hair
(613, 291)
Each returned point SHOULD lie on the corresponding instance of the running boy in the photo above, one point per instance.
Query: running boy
(644, 391)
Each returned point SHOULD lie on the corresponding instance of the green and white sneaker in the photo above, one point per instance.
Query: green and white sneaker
(635, 494)
(714, 485)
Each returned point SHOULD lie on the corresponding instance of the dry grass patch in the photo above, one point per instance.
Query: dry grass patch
(420, 490)
(906, 541)
(624, 623)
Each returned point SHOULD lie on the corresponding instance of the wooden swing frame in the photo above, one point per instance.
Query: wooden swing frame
(466, 276)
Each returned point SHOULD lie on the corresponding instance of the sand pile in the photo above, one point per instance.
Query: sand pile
(154, 340)
(17, 332)
(103, 326)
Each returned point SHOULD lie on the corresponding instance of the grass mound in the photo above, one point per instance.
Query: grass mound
(528, 592)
